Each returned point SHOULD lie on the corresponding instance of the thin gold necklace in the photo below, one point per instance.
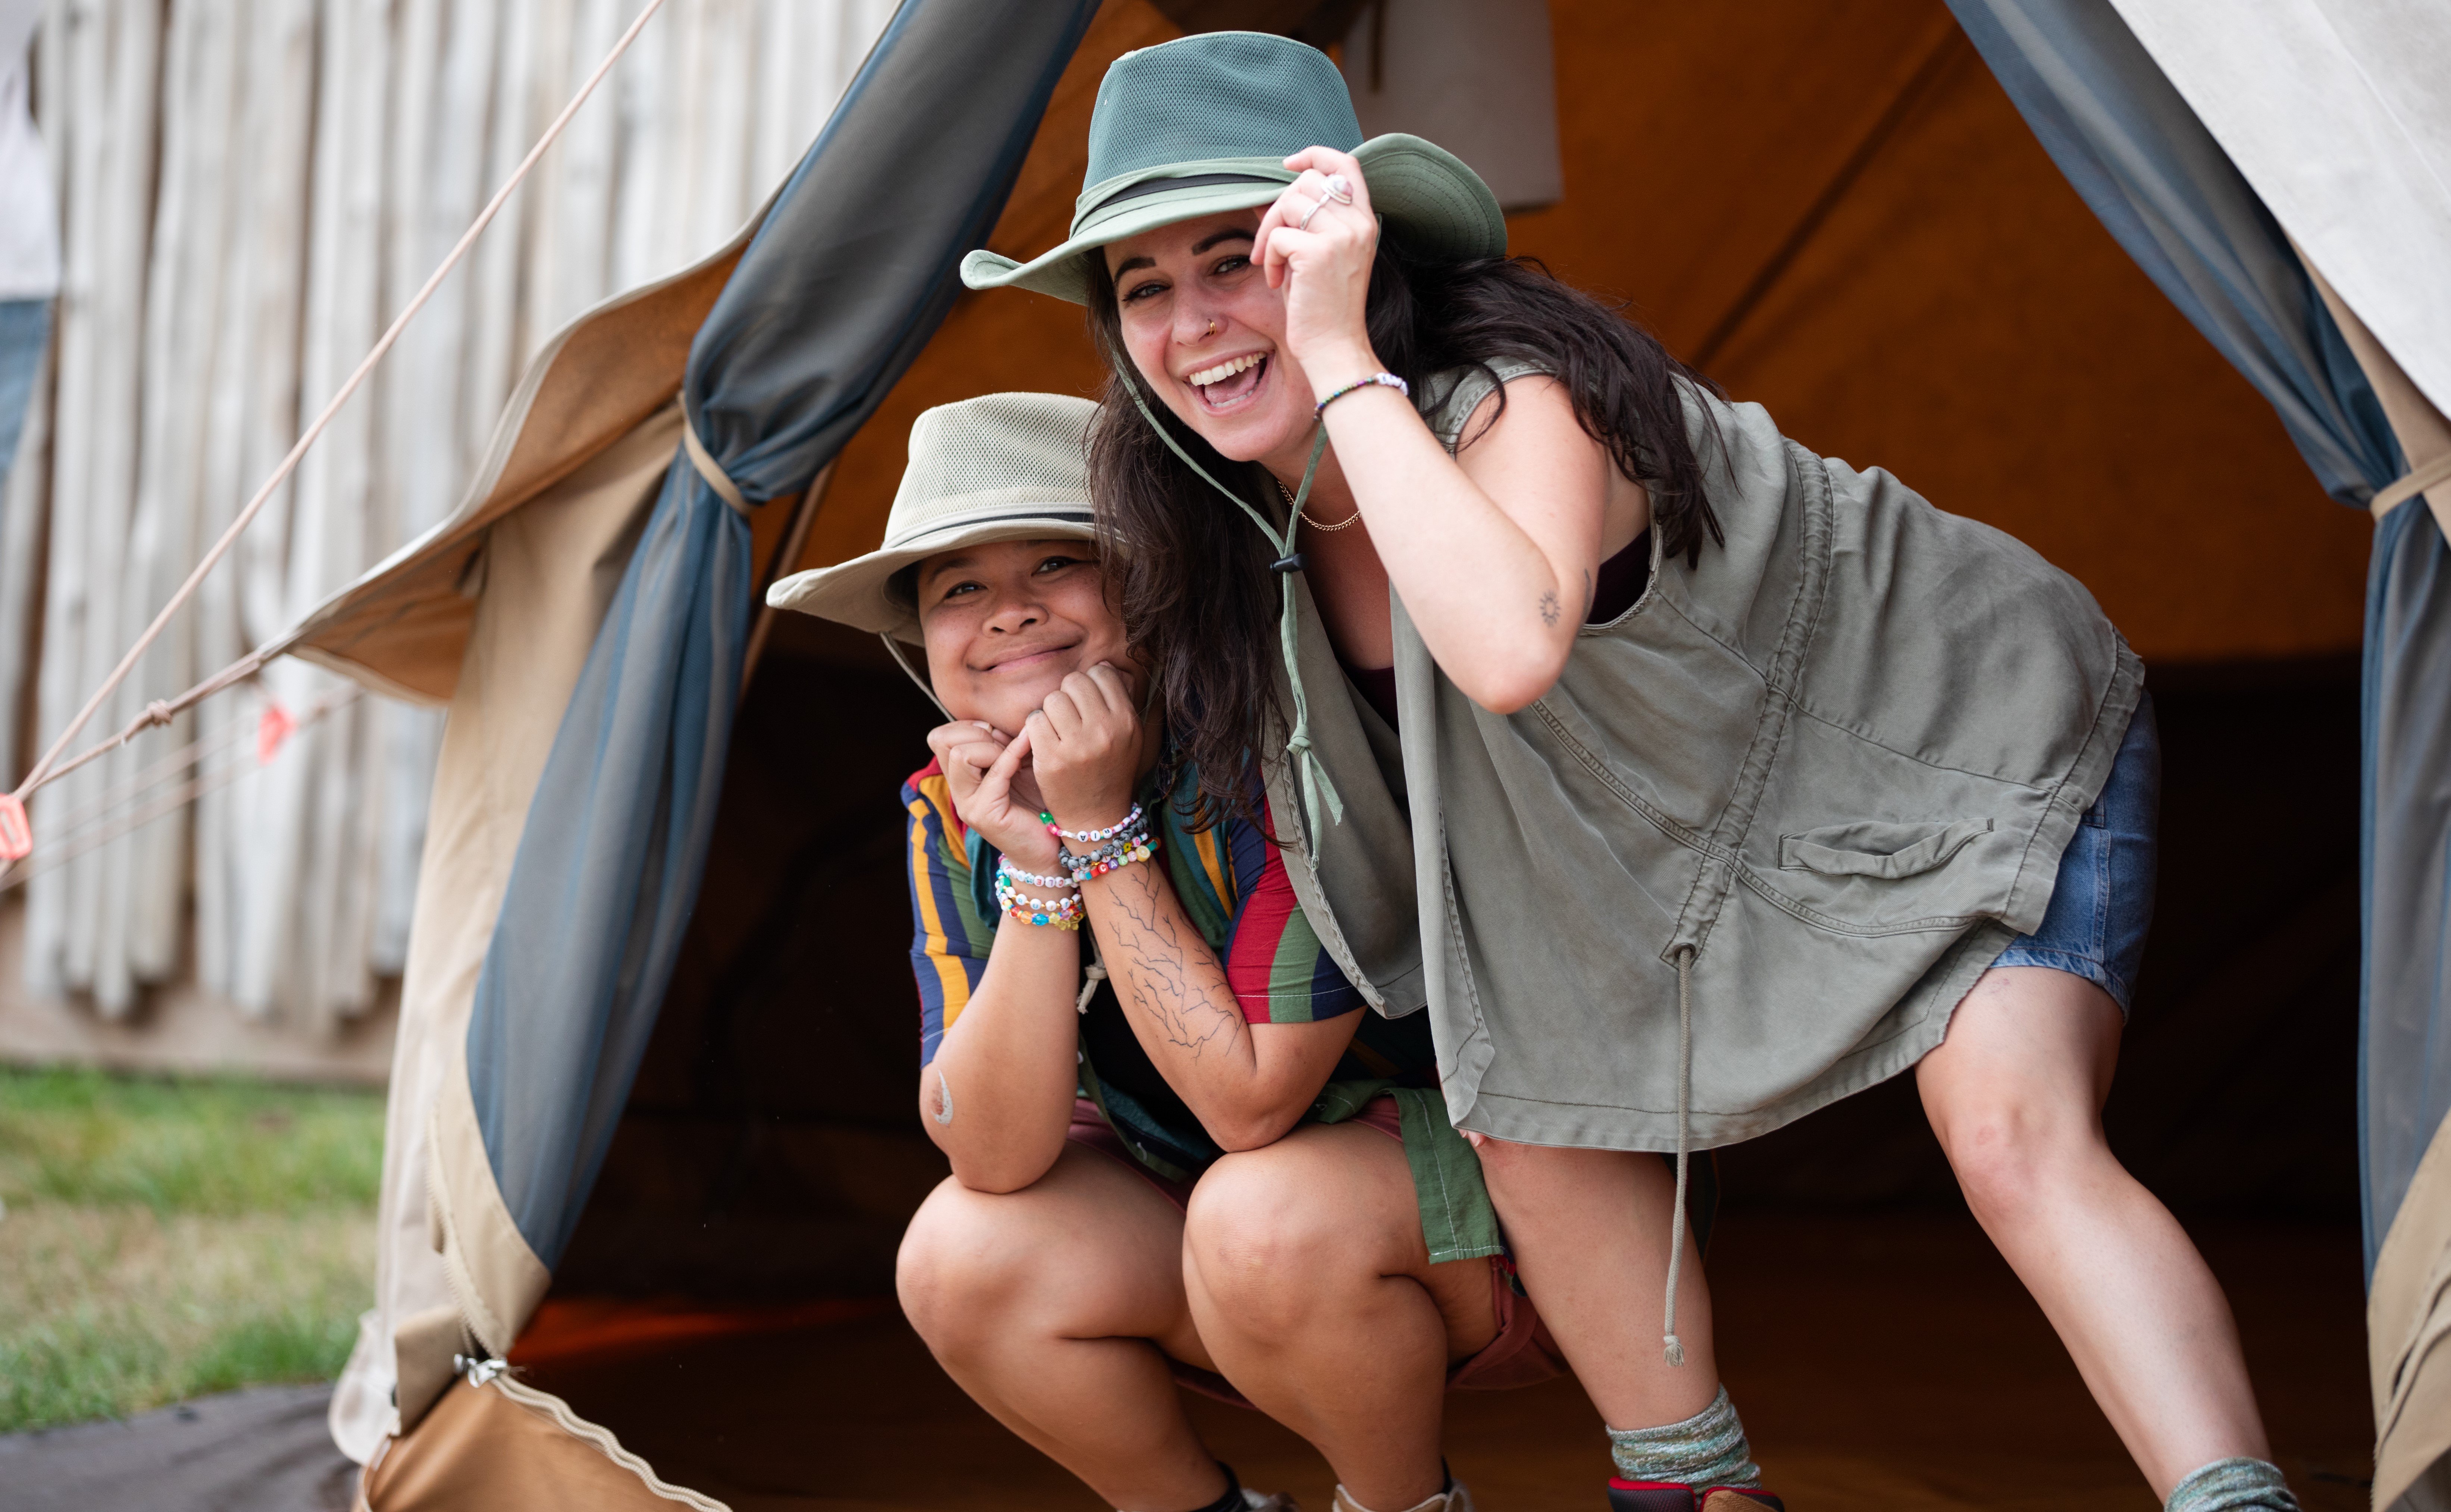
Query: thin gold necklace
(1287, 495)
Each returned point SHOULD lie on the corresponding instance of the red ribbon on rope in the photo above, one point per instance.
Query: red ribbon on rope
(16, 832)
(271, 730)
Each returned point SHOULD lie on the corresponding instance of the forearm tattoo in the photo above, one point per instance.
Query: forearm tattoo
(1156, 962)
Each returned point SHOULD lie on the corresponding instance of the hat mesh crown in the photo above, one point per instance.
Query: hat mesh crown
(1221, 95)
(1023, 448)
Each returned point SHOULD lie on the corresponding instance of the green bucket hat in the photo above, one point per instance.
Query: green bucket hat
(1204, 124)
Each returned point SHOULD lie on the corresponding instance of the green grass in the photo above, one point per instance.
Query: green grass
(164, 1239)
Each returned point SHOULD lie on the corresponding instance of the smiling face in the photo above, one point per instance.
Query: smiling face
(1006, 622)
(1207, 335)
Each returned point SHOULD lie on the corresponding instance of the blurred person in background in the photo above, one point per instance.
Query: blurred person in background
(29, 233)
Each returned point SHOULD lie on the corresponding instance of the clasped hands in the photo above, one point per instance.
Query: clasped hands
(1077, 756)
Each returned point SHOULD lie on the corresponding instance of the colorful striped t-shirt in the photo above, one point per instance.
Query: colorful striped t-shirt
(1232, 882)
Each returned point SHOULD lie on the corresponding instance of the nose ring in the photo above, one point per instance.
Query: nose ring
(1212, 326)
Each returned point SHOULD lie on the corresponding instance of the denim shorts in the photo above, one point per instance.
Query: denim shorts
(2103, 903)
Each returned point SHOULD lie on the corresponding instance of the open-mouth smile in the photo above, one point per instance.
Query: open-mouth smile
(1229, 384)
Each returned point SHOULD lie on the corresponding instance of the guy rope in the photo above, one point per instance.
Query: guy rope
(16, 831)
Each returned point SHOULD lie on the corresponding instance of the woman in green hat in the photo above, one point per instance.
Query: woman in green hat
(1687, 780)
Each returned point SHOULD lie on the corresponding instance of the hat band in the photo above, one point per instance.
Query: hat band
(968, 522)
(1149, 186)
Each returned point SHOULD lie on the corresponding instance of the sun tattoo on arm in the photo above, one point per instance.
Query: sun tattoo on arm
(1157, 966)
(1549, 607)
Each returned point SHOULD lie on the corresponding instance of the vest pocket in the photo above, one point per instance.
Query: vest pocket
(1872, 848)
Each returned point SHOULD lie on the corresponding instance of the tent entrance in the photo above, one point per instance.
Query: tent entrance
(726, 1306)
(768, 1155)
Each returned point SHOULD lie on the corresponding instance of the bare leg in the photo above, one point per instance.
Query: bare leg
(1589, 1228)
(1050, 1306)
(2015, 1093)
(1307, 1271)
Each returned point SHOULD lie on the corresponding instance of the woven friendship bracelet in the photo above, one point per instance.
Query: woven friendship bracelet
(1384, 381)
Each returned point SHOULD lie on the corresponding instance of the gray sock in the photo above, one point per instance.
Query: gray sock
(2233, 1485)
(1708, 1448)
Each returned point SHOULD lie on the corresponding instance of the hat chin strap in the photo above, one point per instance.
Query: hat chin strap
(1316, 787)
(893, 648)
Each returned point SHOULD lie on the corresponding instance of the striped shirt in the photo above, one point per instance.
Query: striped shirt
(1232, 882)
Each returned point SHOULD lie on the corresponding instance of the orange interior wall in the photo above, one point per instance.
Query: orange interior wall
(1960, 318)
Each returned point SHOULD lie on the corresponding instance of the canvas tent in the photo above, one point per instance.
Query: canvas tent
(1835, 209)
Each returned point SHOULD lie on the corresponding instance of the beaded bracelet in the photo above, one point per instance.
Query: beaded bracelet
(1385, 380)
(1090, 837)
(1005, 868)
(1085, 868)
(1063, 913)
(1116, 847)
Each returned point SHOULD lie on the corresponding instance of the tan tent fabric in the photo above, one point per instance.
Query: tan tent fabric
(534, 600)
(399, 629)
(2408, 1338)
(505, 1448)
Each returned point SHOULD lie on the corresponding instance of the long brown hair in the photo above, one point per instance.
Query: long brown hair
(1199, 603)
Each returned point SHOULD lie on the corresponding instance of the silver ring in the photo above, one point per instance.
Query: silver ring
(1315, 206)
(1340, 189)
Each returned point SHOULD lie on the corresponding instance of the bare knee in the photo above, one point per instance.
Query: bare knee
(2012, 1158)
(962, 1265)
(1266, 1244)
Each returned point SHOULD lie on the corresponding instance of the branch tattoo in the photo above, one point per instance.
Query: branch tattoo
(1162, 983)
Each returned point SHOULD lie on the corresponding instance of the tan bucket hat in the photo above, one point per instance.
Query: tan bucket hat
(1003, 467)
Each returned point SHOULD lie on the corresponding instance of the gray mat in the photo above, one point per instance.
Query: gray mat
(263, 1450)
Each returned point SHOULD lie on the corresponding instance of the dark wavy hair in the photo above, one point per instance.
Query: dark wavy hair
(1199, 603)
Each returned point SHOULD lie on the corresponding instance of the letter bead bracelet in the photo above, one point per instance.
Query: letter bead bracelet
(1063, 912)
(1090, 837)
(1118, 846)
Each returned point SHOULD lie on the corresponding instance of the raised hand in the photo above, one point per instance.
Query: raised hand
(993, 788)
(1086, 745)
(1318, 243)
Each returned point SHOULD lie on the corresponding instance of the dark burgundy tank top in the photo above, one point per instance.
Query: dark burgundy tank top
(1621, 583)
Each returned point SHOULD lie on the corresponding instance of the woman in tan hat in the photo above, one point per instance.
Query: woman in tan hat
(1725, 780)
(1204, 1164)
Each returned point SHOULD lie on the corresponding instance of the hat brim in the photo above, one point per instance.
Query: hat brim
(855, 593)
(1431, 202)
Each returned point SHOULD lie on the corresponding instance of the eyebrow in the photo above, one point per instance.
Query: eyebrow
(956, 564)
(1230, 233)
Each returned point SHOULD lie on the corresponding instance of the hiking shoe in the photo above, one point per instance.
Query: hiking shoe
(1454, 1499)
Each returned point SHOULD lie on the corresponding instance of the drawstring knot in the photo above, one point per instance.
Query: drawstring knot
(1092, 975)
(1318, 788)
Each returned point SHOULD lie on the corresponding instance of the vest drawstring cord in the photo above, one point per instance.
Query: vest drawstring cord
(1316, 787)
(1672, 1348)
